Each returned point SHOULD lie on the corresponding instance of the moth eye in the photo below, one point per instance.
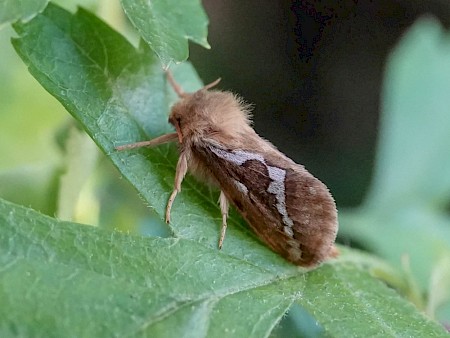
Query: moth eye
(174, 120)
(178, 120)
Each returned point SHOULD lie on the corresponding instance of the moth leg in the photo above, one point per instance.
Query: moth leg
(224, 206)
(334, 252)
(179, 176)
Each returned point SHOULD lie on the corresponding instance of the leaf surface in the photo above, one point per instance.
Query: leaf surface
(59, 277)
(167, 25)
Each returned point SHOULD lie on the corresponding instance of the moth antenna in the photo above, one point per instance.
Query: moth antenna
(176, 87)
(212, 84)
(155, 142)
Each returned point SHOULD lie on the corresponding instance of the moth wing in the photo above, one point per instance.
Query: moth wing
(287, 207)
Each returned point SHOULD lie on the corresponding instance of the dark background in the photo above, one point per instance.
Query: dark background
(314, 71)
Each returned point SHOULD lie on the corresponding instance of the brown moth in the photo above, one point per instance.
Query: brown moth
(288, 208)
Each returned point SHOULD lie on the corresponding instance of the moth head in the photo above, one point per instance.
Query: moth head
(207, 112)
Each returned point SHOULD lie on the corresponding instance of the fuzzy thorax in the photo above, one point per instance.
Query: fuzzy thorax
(206, 113)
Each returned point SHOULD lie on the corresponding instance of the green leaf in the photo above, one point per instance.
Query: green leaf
(405, 213)
(167, 25)
(59, 277)
(13, 10)
(97, 283)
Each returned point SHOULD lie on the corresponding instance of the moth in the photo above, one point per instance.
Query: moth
(288, 208)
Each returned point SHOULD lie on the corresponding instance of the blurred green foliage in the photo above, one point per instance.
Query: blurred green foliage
(405, 217)
(118, 95)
